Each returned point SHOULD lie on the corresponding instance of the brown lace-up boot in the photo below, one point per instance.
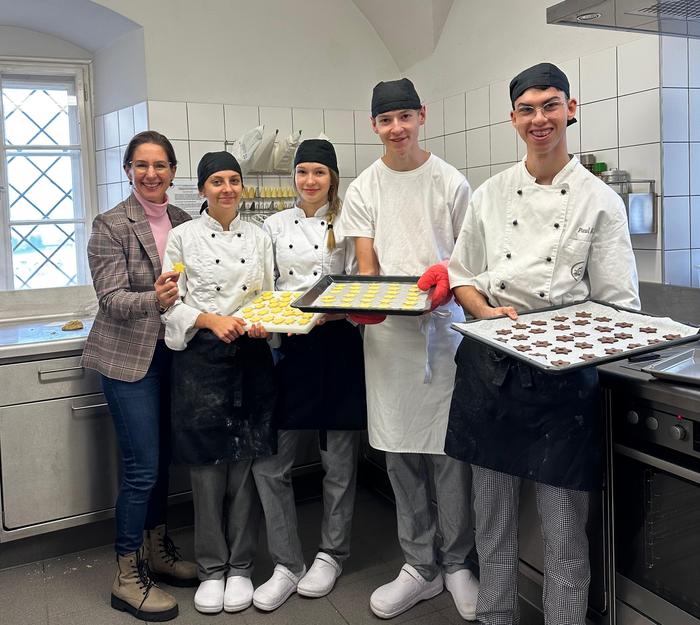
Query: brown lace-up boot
(134, 592)
(164, 560)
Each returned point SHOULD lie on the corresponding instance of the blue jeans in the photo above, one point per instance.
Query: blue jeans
(141, 414)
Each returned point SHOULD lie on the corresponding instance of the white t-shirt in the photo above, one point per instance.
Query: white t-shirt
(414, 218)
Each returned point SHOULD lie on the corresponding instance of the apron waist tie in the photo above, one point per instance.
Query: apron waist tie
(427, 329)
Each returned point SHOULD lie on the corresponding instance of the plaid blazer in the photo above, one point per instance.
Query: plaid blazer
(124, 263)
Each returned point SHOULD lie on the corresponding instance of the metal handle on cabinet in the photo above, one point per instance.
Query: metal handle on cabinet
(41, 374)
(658, 463)
(90, 407)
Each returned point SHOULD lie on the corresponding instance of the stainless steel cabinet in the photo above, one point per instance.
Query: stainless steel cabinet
(58, 453)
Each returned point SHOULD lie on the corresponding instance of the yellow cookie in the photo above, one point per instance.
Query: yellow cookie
(179, 267)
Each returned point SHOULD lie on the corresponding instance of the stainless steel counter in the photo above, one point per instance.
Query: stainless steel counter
(40, 338)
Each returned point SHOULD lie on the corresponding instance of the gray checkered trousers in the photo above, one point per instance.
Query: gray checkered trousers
(563, 515)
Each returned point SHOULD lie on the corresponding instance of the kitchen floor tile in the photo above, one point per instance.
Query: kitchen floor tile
(23, 596)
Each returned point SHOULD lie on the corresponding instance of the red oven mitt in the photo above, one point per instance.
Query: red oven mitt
(436, 276)
(366, 319)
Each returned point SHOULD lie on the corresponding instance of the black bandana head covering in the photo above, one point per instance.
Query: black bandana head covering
(394, 95)
(212, 162)
(317, 151)
(540, 75)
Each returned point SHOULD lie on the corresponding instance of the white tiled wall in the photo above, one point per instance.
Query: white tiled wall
(639, 109)
(195, 128)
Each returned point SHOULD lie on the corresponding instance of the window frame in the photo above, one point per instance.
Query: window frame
(79, 71)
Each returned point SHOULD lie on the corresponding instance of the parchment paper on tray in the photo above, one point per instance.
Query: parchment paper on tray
(271, 309)
(388, 295)
(589, 333)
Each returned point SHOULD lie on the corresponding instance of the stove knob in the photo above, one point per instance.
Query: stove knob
(678, 432)
(651, 423)
(632, 417)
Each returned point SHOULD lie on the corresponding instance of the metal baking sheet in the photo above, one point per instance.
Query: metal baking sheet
(646, 334)
(683, 367)
(312, 300)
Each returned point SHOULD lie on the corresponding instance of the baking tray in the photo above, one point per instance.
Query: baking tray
(276, 323)
(683, 367)
(311, 300)
(637, 338)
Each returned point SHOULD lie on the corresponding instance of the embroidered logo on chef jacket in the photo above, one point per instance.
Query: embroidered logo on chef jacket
(577, 271)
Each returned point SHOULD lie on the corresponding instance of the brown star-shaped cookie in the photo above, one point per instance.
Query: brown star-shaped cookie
(587, 356)
(542, 343)
(654, 341)
(612, 350)
(537, 331)
(538, 322)
(561, 350)
(583, 345)
(520, 326)
(522, 348)
(607, 339)
(560, 363)
(671, 337)
(634, 345)
(503, 331)
(623, 324)
(582, 314)
(603, 328)
(538, 355)
(501, 339)
(559, 318)
(648, 330)
(579, 335)
(520, 337)
(580, 322)
(622, 335)
(603, 319)
(564, 338)
(562, 326)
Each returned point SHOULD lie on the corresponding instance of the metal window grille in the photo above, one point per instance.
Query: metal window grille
(42, 178)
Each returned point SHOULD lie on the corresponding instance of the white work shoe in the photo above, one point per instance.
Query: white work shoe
(403, 593)
(320, 579)
(464, 588)
(209, 598)
(276, 590)
(238, 594)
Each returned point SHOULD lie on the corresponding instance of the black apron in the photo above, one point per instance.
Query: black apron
(510, 417)
(322, 379)
(223, 398)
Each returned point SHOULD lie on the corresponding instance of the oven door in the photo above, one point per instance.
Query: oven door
(657, 535)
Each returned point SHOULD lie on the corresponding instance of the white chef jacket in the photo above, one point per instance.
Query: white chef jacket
(530, 246)
(301, 250)
(223, 269)
(414, 218)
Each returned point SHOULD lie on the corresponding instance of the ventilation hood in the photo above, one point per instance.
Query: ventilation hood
(667, 17)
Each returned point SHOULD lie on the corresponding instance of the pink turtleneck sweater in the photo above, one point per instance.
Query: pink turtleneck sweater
(157, 215)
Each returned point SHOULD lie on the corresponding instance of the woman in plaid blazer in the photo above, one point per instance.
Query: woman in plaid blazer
(126, 346)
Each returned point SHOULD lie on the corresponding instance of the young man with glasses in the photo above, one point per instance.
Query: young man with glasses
(545, 232)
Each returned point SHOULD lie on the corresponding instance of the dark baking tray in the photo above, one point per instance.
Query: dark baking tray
(585, 363)
(305, 301)
(684, 367)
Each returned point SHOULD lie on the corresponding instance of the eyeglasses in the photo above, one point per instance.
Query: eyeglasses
(548, 109)
(142, 167)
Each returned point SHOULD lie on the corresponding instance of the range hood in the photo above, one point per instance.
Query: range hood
(667, 17)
